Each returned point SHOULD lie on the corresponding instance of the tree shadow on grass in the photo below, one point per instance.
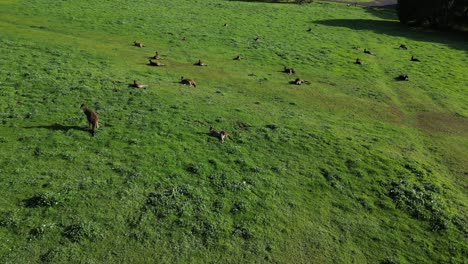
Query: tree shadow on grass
(454, 40)
(385, 12)
(264, 1)
(59, 127)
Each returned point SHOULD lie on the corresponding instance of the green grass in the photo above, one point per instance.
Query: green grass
(354, 168)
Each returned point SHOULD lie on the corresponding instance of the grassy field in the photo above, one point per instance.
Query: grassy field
(354, 168)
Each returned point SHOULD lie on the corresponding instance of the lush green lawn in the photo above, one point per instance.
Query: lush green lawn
(354, 168)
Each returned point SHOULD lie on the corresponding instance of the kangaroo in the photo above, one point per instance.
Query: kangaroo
(289, 70)
(368, 52)
(138, 44)
(156, 56)
(238, 57)
(300, 81)
(358, 61)
(137, 85)
(200, 63)
(188, 82)
(93, 118)
(309, 30)
(155, 63)
(403, 46)
(219, 134)
(414, 59)
(402, 77)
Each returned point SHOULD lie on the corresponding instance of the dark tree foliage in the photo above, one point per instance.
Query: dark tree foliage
(441, 14)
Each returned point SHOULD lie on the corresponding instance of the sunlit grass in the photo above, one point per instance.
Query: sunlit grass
(355, 167)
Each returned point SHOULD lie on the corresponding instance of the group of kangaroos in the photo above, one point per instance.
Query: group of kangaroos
(93, 118)
(93, 123)
(401, 77)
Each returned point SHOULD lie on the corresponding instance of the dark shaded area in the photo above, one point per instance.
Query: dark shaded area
(59, 127)
(41, 200)
(389, 4)
(438, 14)
(384, 12)
(451, 39)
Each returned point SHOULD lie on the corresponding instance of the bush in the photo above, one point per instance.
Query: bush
(420, 202)
(45, 199)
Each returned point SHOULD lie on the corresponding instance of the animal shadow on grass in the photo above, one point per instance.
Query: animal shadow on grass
(59, 127)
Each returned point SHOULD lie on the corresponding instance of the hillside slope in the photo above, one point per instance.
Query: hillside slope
(354, 167)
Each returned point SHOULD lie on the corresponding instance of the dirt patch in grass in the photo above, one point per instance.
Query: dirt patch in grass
(442, 123)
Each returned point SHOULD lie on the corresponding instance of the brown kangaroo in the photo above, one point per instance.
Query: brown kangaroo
(414, 59)
(138, 44)
(219, 134)
(300, 81)
(402, 77)
(238, 57)
(156, 56)
(358, 61)
(403, 46)
(188, 82)
(200, 63)
(289, 70)
(93, 118)
(137, 85)
(155, 63)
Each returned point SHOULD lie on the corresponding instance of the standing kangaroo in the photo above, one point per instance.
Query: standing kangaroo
(93, 118)
(219, 134)
(188, 82)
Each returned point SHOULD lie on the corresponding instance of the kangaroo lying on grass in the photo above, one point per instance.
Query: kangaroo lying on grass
(403, 47)
(92, 117)
(156, 56)
(300, 81)
(358, 61)
(289, 70)
(238, 57)
(414, 59)
(402, 77)
(368, 52)
(137, 85)
(138, 44)
(200, 63)
(155, 63)
(219, 134)
(188, 82)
